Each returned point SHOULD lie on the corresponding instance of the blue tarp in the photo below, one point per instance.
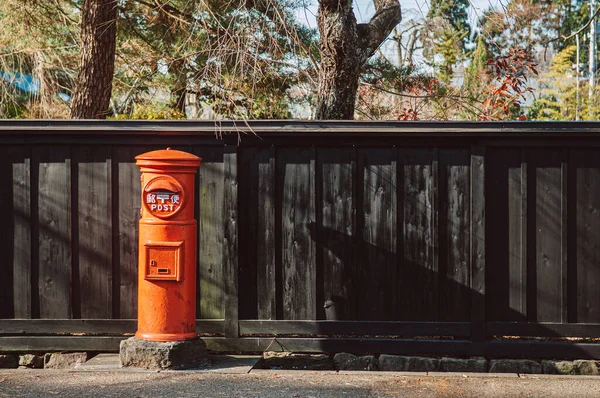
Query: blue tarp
(22, 82)
(27, 83)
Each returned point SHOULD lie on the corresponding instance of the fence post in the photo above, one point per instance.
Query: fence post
(230, 247)
(478, 244)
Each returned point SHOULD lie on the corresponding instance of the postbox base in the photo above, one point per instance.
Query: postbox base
(166, 337)
(145, 354)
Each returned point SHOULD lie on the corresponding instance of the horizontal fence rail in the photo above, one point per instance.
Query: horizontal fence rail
(420, 237)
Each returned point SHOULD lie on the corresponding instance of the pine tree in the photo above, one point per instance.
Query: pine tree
(476, 76)
(93, 88)
(446, 35)
(558, 96)
(455, 12)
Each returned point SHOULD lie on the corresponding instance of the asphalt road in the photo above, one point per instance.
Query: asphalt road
(296, 384)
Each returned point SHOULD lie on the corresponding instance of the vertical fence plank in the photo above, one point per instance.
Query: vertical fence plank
(21, 200)
(522, 230)
(564, 236)
(15, 234)
(477, 242)
(128, 202)
(546, 166)
(94, 230)
(418, 280)
(54, 220)
(586, 249)
(504, 222)
(266, 236)
(230, 245)
(8, 272)
(378, 261)
(211, 234)
(257, 233)
(249, 235)
(336, 232)
(296, 171)
(455, 222)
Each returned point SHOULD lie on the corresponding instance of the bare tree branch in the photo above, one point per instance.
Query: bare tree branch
(388, 14)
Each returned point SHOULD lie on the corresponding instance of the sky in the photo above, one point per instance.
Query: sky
(364, 9)
(411, 9)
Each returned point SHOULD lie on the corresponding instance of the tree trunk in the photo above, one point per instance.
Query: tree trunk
(345, 47)
(179, 91)
(97, 60)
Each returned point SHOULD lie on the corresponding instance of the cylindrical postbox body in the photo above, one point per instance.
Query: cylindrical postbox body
(167, 247)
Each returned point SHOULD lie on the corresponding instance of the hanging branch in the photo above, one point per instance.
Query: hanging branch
(584, 27)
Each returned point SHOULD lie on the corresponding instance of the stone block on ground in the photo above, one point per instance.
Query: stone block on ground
(558, 367)
(586, 367)
(463, 365)
(398, 363)
(9, 361)
(346, 361)
(296, 361)
(64, 360)
(31, 361)
(144, 354)
(515, 366)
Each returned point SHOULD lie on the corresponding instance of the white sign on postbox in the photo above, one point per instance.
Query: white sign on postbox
(163, 196)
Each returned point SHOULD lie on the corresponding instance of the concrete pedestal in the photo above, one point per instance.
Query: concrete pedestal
(144, 354)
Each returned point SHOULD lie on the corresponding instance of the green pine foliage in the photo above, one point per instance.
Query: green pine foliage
(455, 12)
(558, 94)
(446, 36)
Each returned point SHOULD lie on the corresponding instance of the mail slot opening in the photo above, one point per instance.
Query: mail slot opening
(163, 260)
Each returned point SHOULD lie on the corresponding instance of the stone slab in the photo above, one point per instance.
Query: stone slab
(525, 366)
(463, 365)
(346, 361)
(64, 360)
(586, 367)
(144, 354)
(398, 363)
(31, 361)
(558, 367)
(227, 364)
(101, 362)
(296, 361)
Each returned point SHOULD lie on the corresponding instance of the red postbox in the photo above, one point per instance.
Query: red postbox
(167, 247)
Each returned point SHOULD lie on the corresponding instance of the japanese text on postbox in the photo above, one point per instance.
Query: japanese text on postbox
(162, 201)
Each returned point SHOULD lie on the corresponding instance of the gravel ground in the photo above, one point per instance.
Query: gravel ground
(296, 384)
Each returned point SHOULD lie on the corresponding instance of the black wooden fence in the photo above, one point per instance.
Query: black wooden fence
(430, 238)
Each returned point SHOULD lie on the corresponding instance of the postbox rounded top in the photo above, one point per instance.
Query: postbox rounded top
(168, 158)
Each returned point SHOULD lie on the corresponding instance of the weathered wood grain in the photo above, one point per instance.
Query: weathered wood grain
(586, 251)
(230, 244)
(419, 288)
(377, 291)
(545, 168)
(33, 327)
(257, 234)
(94, 238)
(296, 172)
(455, 239)
(126, 228)
(265, 236)
(249, 240)
(211, 234)
(337, 232)
(54, 204)
(15, 241)
(477, 252)
(506, 232)
(353, 328)
(6, 241)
